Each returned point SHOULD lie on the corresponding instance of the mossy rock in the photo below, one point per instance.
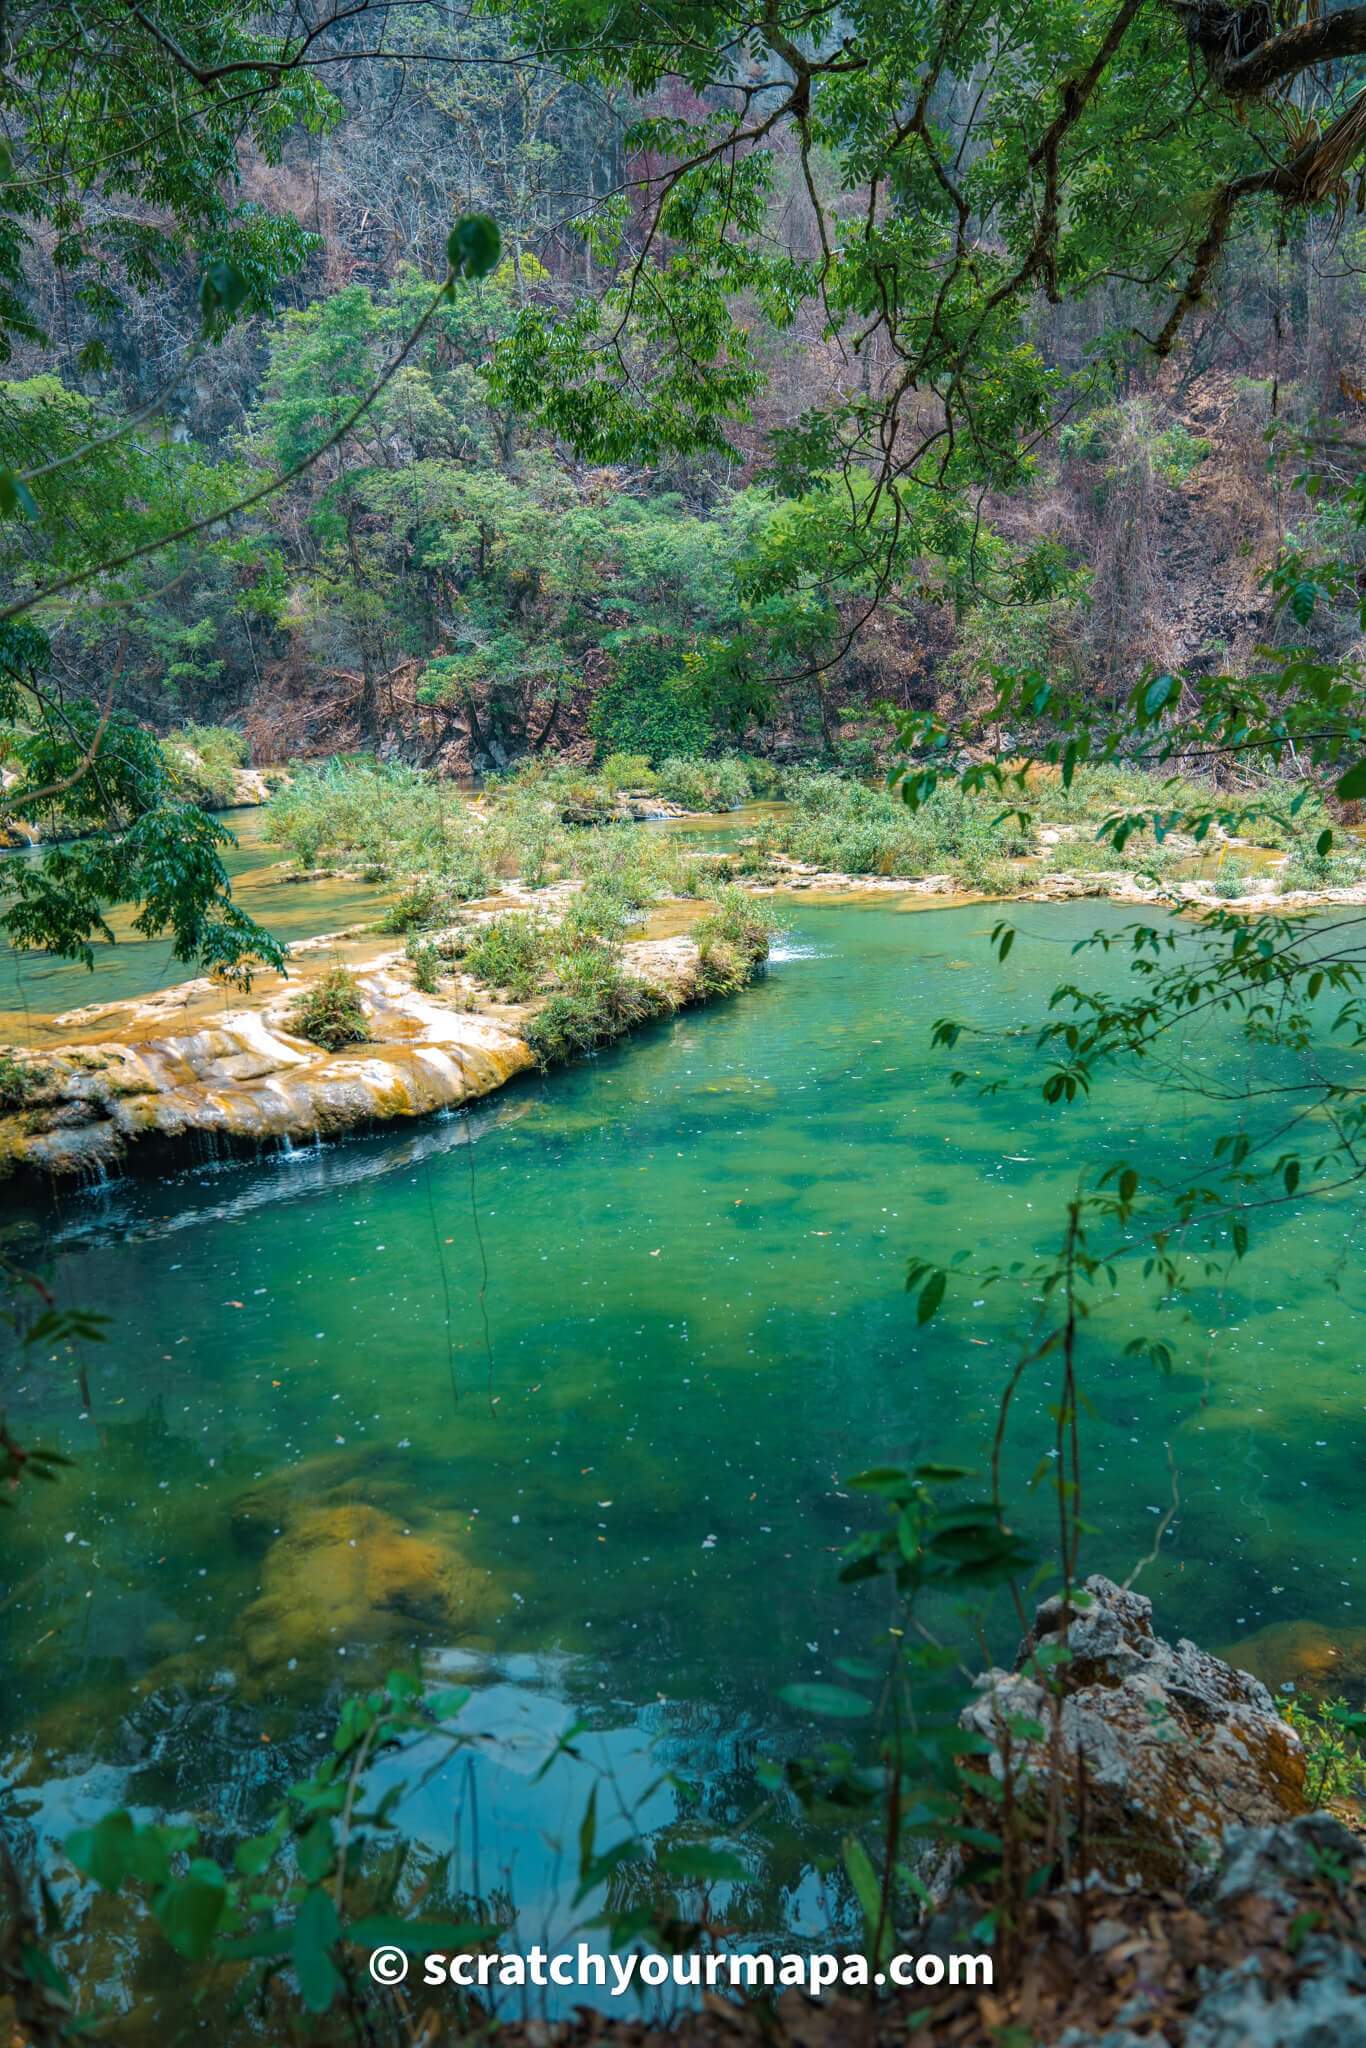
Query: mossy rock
(348, 1573)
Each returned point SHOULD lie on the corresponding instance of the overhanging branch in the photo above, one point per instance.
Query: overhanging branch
(1244, 62)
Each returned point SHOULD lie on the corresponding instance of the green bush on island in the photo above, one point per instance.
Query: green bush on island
(331, 1013)
(597, 1001)
(1306, 869)
(850, 828)
(510, 952)
(426, 963)
(628, 771)
(732, 941)
(701, 785)
(1140, 855)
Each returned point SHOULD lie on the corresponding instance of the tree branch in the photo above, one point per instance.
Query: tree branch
(1242, 72)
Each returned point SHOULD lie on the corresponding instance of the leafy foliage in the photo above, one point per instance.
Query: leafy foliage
(332, 1012)
(298, 1899)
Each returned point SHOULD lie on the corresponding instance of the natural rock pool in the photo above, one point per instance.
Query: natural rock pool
(622, 1501)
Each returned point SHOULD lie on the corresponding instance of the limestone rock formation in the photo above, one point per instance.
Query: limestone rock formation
(246, 1077)
(1177, 1748)
(177, 1068)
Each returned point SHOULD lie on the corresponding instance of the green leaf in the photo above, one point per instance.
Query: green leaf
(222, 291)
(316, 1927)
(254, 1856)
(863, 1878)
(878, 1478)
(317, 1851)
(1158, 693)
(103, 1852)
(1303, 599)
(931, 1294)
(834, 1700)
(189, 1909)
(418, 1937)
(446, 1705)
(1323, 844)
(1353, 783)
(473, 245)
(15, 496)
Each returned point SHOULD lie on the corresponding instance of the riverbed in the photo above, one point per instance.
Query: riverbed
(610, 1349)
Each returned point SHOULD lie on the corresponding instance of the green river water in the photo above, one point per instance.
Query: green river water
(695, 1246)
(37, 987)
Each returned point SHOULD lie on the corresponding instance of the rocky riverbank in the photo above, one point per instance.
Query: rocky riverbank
(1033, 883)
(1216, 1910)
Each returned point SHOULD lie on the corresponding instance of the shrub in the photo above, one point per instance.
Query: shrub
(596, 917)
(331, 1013)
(18, 1079)
(384, 817)
(628, 771)
(598, 1001)
(1139, 855)
(511, 952)
(1305, 869)
(420, 908)
(843, 825)
(426, 963)
(204, 757)
(649, 708)
(1334, 1758)
(732, 941)
(534, 840)
(1231, 878)
(698, 785)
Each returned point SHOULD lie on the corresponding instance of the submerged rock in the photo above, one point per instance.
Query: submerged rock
(1304, 1656)
(1174, 1746)
(344, 1572)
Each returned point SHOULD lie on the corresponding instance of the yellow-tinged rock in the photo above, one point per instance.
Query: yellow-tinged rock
(1322, 1662)
(343, 1573)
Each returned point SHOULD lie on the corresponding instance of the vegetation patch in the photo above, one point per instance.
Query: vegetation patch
(427, 965)
(851, 829)
(512, 953)
(19, 1080)
(204, 759)
(331, 1013)
(698, 785)
(732, 941)
(596, 1002)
